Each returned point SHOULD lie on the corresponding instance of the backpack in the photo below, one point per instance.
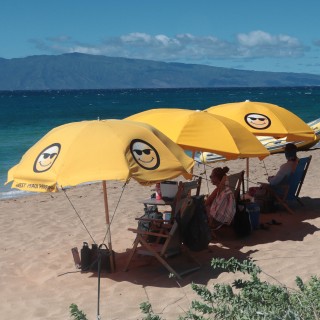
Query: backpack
(242, 222)
(195, 232)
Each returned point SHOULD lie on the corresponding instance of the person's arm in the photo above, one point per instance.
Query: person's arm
(284, 170)
(211, 197)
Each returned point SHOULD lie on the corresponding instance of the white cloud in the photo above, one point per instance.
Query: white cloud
(164, 40)
(135, 37)
(182, 47)
(87, 50)
(257, 44)
(255, 38)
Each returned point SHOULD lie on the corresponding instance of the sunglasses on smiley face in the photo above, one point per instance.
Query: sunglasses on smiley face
(139, 152)
(254, 118)
(47, 155)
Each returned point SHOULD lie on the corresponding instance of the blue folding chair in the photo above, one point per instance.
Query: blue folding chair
(294, 185)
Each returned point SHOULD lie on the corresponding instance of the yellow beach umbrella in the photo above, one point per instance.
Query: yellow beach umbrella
(196, 130)
(99, 150)
(88, 151)
(265, 119)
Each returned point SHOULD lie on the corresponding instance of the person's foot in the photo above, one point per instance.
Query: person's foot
(264, 227)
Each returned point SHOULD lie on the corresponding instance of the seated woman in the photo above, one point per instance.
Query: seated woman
(216, 176)
(220, 204)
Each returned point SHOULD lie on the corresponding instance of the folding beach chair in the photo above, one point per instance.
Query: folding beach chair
(170, 232)
(292, 189)
(185, 190)
(236, 184)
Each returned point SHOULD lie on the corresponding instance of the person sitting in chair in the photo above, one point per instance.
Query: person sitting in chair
(220, 204)
(277, 183)
(281, 178)
(216, 177)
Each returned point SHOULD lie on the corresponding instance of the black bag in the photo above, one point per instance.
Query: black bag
(242, 222)
(89, 257)
(103, 253)
(195, 230)
(150, 212)
(85, 257)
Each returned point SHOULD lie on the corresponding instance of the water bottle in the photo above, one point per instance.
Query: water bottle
(158, 192)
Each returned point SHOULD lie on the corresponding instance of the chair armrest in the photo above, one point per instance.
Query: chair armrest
(151, 220)
(148, 233)
(157, 222)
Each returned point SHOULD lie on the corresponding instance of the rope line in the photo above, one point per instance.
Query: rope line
(115, 210)
(75, 210)
(265, 168)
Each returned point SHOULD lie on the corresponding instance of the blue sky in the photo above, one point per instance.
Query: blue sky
(273, 35)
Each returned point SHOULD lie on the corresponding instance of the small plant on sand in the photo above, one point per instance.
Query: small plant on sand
(146, 308)
(252, 298)
(76, 313)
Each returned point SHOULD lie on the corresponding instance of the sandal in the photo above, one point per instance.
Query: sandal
(274, 222)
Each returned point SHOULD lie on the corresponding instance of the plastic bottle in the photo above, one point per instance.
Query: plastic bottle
(158, 192)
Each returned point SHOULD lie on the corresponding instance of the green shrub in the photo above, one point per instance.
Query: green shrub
(251, 299)
(146, 308)
(76, 313)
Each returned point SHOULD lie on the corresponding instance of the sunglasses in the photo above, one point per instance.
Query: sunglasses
(145, 151)
(261, 119)
(47, 155)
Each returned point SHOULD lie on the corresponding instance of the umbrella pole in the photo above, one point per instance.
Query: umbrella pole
(106, 209)
(247, 173)
(193, 154)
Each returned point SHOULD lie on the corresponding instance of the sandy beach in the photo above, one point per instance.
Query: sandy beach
(39, 279)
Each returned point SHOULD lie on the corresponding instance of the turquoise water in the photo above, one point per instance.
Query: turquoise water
(27, 115)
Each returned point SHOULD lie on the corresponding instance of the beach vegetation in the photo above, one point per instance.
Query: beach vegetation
(250, 298)
(77, 314)
(146, 308)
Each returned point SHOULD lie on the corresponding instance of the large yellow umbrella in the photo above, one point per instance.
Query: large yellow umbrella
(196, 130)
(99, 150)
(265, 119)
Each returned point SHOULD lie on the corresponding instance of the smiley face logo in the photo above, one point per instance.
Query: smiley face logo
(144, 154)
(46, 158)
(257, 121)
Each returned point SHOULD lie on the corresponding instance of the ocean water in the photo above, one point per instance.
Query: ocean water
(28, 115)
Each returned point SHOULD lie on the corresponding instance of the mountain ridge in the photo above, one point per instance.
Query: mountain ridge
(83, 71)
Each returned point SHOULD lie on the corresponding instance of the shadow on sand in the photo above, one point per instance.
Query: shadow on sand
(149, 272)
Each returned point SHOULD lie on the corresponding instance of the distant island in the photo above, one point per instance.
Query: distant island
(83, 71)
